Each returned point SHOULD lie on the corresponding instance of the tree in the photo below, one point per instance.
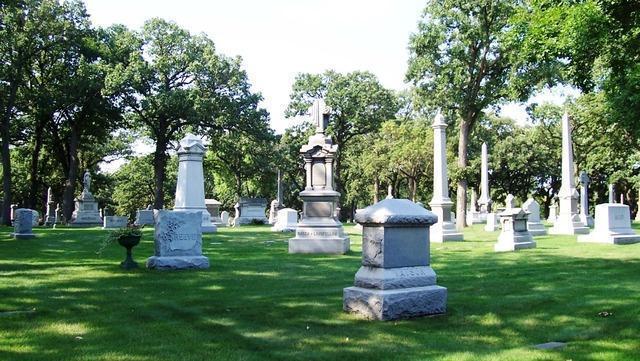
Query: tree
(359, 105)
(460, 62)
(176, 81)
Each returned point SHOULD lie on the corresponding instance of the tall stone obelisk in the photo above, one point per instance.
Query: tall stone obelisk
(568, 221)
(444, 230)
(319, 230)
(190, 184)
(485, 197)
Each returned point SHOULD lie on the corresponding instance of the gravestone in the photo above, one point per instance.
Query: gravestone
(287, 221)
(213, 207)
(553, 213)
(178, 241)
(50, 217)
(444, 230)
(612, 226)
(251, 210)
(474, 216)
(111, 222)
(535, 227)
(568, 220)
(22, 224)
(35, 218)
(514, 233)
(492, 222)
(277, 203)
(144, 217)
(612, 194)
(86, 213)
(585, 217)
(395, 279)
(319, 230)
(190, 183)
(224, 217)
(59, 215)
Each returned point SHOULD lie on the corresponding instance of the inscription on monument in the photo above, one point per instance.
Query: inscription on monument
(319, 209)
(319, 176)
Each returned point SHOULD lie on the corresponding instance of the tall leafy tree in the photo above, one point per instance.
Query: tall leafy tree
(359, 105)
(460, 62)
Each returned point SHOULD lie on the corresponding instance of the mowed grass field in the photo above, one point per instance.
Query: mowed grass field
(59, 300)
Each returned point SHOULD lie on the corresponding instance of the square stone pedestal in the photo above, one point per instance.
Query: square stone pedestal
(86, 213)
(514, 235)
(612, 226)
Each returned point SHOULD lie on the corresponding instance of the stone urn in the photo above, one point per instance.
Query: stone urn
(128, 242)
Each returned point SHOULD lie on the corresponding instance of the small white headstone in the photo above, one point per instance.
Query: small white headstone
(287, 221)
(115, 222)
(612, 225)
(536, 228)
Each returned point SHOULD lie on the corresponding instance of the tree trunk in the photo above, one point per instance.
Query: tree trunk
(7, 197)
(159, 170)
(461, 195)
(72, 176)
(376, 190)
(34, 179)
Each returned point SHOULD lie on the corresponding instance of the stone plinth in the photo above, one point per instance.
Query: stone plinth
(612, 225)
(213, 207)
(111, 222)
(190, 183)
(86, 213)
(287, 221)
(395, 279)
(178, 241)
(534, 225)
(514, 233)
(252, 210)
(319, 230)
(144, 217)
(22, 224)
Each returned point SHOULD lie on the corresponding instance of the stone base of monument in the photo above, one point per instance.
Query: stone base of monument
(586, 219)
(514, 245)
(568, 224)
(23, 235)
(536, 228)
(319, 240)
(250, 220)
(395, 304)
(612, 226)
(445, 232)
(178, 262)
(86, 213)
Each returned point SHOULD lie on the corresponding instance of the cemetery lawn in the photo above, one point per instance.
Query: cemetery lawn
(61, 301)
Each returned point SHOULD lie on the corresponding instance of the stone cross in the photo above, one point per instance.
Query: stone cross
(320, 115)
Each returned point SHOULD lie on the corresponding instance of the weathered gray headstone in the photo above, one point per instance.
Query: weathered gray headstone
(252, 210)
(178, 241)
(395, 279)
(115, 222)
(514, 233)
(144, 217)
(585, 217)
(23, 224)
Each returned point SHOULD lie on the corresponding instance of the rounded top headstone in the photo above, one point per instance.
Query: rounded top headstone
(396, 212)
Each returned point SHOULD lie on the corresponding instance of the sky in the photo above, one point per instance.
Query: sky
(278, 39)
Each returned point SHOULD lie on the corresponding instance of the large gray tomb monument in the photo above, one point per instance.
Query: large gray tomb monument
(319, 230)
(395, 279)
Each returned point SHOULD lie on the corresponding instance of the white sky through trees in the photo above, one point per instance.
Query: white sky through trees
(278, 39)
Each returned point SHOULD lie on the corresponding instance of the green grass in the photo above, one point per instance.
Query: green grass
(259, 302)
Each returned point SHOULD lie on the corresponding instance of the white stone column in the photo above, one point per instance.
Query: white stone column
(190, 184)
(307, 169)
(444, 230)
(585, 217)
(612, 196)
(485, 197)
(568, 221)
(328, 171)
